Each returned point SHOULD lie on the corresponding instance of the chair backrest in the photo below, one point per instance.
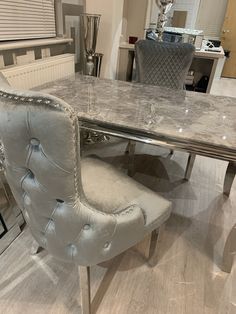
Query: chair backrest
(39, 134)
(162, 63)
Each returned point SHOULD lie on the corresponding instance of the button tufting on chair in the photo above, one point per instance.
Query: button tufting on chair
(86, 227)
(107, 245)
(34, 142)
(59, 201)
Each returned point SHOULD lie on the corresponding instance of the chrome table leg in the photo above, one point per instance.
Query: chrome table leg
(154, 243)
(229, 251)
(131, 152)
(189, 167)
(85, 293)
(229, 177)
(171, 153)
(35, 248)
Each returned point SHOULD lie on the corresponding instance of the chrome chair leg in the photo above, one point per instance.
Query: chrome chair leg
(154, 243)
(35, 248)
(130, 150)
(85, 293)
(229, 177)
(127, 147)
(189, 167)
(229, 251)
(171, 153)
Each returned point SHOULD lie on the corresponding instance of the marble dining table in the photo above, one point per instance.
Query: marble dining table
(200, 124)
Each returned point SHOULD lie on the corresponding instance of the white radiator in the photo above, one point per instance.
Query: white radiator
(39, 72)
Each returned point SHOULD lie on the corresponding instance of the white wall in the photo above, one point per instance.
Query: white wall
(136, 17)
(109, 32)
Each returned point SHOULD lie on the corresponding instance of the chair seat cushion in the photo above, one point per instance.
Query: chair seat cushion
(111, 191)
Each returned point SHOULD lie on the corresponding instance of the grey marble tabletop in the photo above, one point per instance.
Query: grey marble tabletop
(189, 119)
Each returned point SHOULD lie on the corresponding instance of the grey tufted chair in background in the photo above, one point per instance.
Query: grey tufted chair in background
(81, 211)
(162, 64)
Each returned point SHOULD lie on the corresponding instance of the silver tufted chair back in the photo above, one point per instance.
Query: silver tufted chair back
(162, 63)
(40, 142)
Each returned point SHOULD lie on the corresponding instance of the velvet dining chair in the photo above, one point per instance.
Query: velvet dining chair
(83, 211)
(162, 64)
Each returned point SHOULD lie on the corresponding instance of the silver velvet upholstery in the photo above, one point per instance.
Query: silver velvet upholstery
(162, 63)
(86, 221)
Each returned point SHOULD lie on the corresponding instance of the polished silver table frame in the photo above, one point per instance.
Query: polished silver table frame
(171, 143)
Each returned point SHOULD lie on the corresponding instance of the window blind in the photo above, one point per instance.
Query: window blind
(210, 17)
(25, 19)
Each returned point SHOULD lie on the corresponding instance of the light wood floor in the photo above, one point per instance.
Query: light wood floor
(187, 279)
(224, 87)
